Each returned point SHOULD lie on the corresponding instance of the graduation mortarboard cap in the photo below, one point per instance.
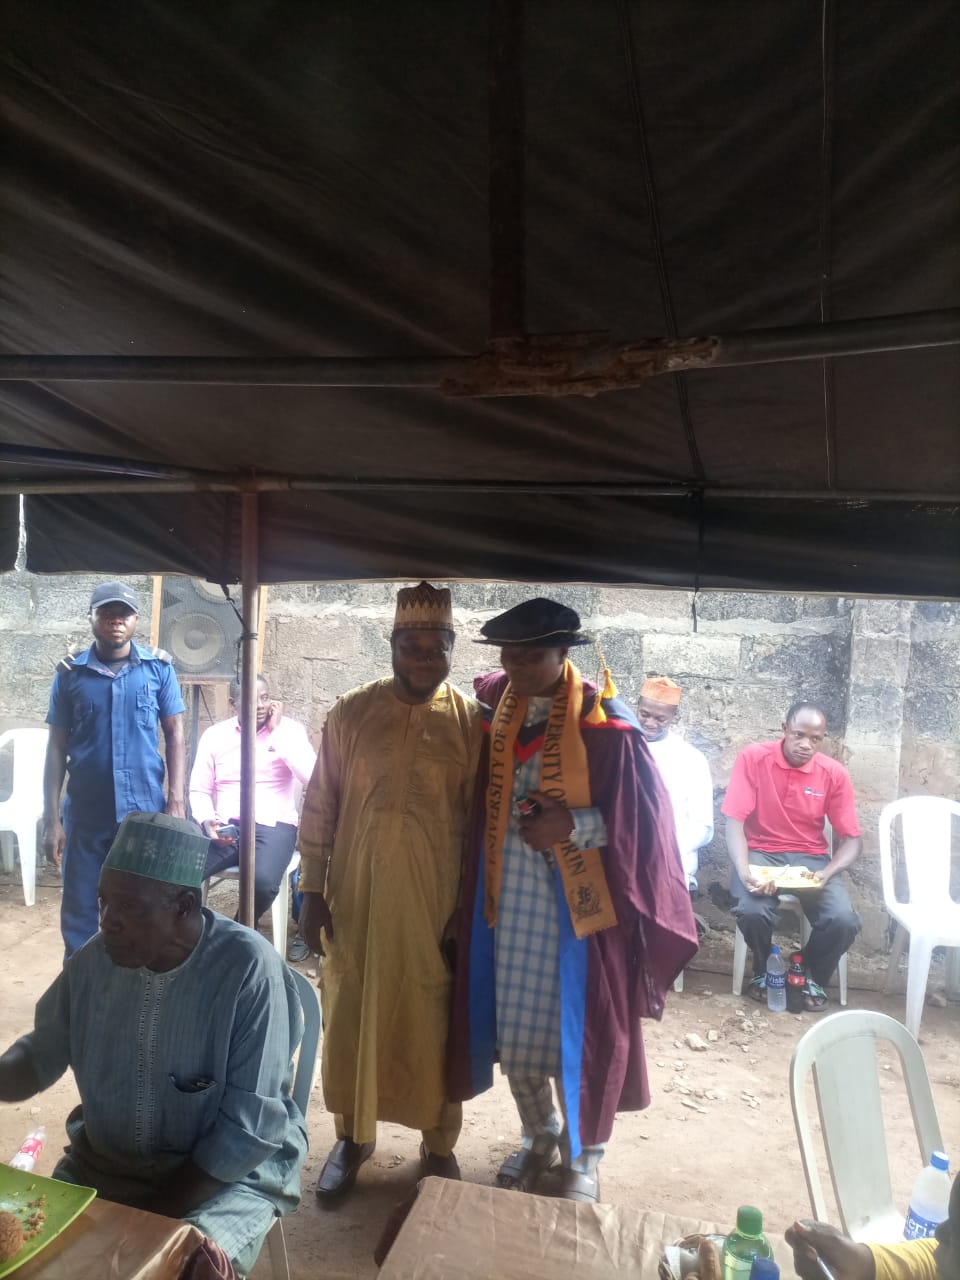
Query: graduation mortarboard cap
(114, 593)
(159, 847)
(538, 623)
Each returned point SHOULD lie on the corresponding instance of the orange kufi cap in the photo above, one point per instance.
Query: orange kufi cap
(661, 689)
(424, 608)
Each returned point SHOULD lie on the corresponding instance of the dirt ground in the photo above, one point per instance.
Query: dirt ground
(719, 1131)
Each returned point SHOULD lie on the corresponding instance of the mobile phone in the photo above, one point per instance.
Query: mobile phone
(228, 832)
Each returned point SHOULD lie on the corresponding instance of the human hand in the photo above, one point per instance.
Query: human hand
(315, 918)
(816, 1243)
(551, 825)
(52, 839)
(274, 715)
(211, 828)
(762, 888)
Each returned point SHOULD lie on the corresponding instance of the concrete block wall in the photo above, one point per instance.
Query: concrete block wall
(886, 672)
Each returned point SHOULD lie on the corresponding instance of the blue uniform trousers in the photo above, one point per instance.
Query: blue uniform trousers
(86, 848)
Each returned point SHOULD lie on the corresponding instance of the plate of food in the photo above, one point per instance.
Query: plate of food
(790, 879)
(33, 1211)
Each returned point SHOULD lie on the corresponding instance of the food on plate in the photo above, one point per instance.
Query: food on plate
(11, 1236)
(786, 877)
(709, 1260)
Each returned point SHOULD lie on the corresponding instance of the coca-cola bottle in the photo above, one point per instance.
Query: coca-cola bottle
(796, 979)
(30, 1149)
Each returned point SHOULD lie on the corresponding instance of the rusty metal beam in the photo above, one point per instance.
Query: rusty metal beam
(541, 364)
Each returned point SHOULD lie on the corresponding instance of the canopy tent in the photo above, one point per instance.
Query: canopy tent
(273, 179)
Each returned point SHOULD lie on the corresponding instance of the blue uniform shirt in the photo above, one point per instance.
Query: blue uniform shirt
(112, 722)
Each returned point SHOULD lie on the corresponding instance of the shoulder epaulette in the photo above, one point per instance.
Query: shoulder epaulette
(65, 663)
(155, 651)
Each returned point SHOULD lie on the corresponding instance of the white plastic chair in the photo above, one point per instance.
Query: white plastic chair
(841, 1051)
(24, 809)
(787, 902)
(280, 907)
(930, 916)
(302, 1086)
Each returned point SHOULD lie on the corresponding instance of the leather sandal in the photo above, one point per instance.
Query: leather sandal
(584, 1187)
(434, 1166)
(341, 1167)
(522, 1169)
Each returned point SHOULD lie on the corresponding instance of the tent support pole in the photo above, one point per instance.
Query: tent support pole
(249, 571)
(568, 364)
(506, 116)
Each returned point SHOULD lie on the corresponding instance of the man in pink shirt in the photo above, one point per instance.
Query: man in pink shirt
(285, 761)
(779, 795)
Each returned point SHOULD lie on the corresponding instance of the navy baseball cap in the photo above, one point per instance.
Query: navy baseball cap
(114, 593)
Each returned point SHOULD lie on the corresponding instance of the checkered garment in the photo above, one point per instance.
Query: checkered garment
(527, 934)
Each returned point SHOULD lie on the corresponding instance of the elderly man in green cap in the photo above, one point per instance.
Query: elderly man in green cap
(180, 1027)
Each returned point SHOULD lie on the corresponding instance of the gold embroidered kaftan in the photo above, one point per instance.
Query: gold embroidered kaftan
(387, 806)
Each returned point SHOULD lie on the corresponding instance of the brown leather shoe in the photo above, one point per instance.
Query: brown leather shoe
(341, 1167)
(433, 1166)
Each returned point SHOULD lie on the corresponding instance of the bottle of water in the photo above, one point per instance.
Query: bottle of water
(30, 1149)
(930, 1199)
(776, 982)
(744, 1244)
(764, 1269)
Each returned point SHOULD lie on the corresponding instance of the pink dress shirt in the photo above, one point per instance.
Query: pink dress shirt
(285, 761)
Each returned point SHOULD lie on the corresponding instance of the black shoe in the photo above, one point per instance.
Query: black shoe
(432, 1166)
(522, 1169)
(298, 949)
(584, 1187)
(341, 1167)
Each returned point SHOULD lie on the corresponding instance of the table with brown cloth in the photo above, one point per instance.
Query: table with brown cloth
(462, 1231)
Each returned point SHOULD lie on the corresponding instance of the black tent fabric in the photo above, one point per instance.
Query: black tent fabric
(271, 178)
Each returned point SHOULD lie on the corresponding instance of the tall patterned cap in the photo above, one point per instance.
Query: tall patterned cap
(424, 608)
(661, 689)
(159, 847)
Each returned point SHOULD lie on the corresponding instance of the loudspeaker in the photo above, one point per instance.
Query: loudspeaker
(200, 629)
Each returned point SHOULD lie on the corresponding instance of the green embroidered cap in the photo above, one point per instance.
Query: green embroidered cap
(159, 847)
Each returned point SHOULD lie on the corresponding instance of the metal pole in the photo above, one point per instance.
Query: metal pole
(249, 569)
(754, 346)
(506, 192)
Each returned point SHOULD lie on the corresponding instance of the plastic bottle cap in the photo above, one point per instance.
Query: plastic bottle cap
(764, 1269)
(774, 951)
(749, 1220)
(940, 1160)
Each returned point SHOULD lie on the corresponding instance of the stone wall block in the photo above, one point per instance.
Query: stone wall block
(880, 659)
(932, 714)
(719, 606)
(17, 605)
(681, 657)
(936, 663)
(661, 607)
(803, 666)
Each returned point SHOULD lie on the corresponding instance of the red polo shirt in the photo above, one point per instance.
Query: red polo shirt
(782, 808)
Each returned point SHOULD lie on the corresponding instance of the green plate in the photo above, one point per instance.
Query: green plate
(63, 1203)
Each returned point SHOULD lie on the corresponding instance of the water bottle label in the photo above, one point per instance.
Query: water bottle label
(776, 980)
(917, 1227)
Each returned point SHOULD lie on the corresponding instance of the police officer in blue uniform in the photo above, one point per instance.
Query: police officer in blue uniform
(107, 706)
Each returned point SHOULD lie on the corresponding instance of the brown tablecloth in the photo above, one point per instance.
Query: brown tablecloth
(111, 1242)
(461, 1231)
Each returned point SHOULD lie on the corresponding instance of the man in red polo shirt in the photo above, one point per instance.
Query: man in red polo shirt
(779, 795)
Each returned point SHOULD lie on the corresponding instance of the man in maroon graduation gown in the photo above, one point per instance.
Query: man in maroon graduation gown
(576, 917)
